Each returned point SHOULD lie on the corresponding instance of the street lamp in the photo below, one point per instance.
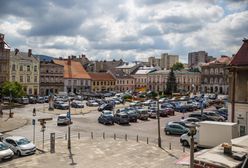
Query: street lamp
(69, 126)
(191, 133)
(158, 118)
(10, 102)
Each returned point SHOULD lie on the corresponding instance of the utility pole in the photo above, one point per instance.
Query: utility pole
(33, 123)
(158, 118)
(69, 126)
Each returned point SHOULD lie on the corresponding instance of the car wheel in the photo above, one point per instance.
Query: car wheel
(18, 153)
(167, 132)
(185, 143)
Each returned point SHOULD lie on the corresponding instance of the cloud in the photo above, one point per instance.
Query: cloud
(128, 29)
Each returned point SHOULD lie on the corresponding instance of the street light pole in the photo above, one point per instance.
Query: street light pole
(158, 117)
(69, 126)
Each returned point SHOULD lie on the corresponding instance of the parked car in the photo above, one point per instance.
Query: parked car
(63, 120)
(142, 114)
(40, 99)
(20, 145)
(105, 107)
(61, 105)
(5, 152)
(167, 105)
(190, 120)
(147, 102)
(152, 112)
(92, 103)
(32, 100)
(214, 116)
(106, 117)
(23, 100)
(174, 128)
(163, 113)
(121, 118)
(135, 103)
(169, 111)
(77, 104)
(223, 112)
(202, 117)
(132, 114)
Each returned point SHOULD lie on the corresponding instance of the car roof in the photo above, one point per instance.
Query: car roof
(62, 115)
(122, 113)
(15, 138)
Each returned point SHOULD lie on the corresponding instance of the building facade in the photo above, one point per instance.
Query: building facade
(238, 95)
(76, 79)
(25, 69)
(129, 68)
(140, 77)
(167, 61)
(196, 58)
(51, 78)
(102, 82)
(4, 60)
(214, 76)
(186, 81)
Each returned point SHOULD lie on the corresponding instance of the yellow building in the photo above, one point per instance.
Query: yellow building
(102, 82)
(25, 69)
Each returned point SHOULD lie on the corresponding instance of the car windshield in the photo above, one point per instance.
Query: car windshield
(23, 141)
(107, 113)
(62, 117)
(3, 147)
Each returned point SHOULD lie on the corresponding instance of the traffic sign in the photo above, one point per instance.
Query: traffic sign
(68, 115)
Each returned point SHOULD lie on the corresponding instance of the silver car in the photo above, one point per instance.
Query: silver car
(63, 120)
(20, 145)
(5, 152)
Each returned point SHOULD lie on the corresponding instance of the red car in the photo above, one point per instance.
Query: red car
(170, 111)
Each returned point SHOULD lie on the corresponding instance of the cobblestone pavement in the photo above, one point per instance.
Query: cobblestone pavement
(9, 124)
(95, 153)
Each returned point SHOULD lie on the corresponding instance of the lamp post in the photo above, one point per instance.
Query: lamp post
(10, 102)
(158, 118)
(192, 132)
(69, 126)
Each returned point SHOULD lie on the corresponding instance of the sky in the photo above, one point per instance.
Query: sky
(132, 30)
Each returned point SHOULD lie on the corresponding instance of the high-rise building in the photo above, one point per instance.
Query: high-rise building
(195, 58)
(167, 61)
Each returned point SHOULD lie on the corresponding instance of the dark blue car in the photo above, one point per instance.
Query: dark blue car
(106, 117)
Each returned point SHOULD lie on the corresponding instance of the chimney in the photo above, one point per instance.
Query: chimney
(16, 51)
(29, 52)
(69, 60)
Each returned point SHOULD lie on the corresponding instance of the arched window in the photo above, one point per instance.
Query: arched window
(206, 80)
(216, 80)
(206, 71)
(211, 71)
(211, 81)
(216, 71)
(13, 67)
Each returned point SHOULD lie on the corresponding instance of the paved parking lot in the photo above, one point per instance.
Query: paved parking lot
(94, 153)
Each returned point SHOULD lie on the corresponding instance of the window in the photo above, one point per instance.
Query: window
(30, 91)
(69, 82)
(216, 71)
(28, 68)
(28, 78)
(21, 68)
(13, 78)
(35, 78)
(211, 71)
(75, 82)
(35, 68)
(13, 67)
(21, 78)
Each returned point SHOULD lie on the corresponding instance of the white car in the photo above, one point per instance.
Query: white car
(5, 152)
(20, 145)
(63, 120)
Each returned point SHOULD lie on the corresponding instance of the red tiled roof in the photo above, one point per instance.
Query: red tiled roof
(220, 60)
(101, 77)
(73, 69)
(241, 58)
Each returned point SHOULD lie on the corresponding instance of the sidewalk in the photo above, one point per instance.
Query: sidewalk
(107, 153)
(8, 124)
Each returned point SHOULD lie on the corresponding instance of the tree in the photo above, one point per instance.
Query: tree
(177, 66)
(13, 89)
(171, 85)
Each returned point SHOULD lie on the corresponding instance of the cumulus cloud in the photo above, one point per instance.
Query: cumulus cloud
(127, 29)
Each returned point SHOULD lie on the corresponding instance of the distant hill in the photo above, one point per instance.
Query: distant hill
(44, 57)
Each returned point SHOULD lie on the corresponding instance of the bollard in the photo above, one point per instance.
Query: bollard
(114, 136)
(183, 149)
(170, 146)
(147, 140)
(137, 138)
(65, 136)
(103, 135)
(52, 142)
(79, 135)
(91, 135)
(126, 137)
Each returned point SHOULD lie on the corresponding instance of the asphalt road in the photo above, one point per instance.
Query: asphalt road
(87, 123)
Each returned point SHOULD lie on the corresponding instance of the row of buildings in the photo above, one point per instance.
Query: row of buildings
(42, 76)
